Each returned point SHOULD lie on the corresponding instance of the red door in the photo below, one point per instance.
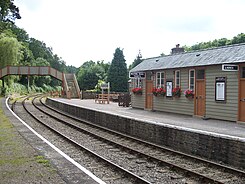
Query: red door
(200, 97)
(149, 100)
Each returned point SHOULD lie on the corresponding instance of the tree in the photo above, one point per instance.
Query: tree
(90, 73)
(240, 38)
(137, 61)
(117, 74)
(9, 50)
(20, 34)
(71, 69)
(8, 11)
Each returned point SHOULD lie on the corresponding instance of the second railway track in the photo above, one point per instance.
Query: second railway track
(145, 162)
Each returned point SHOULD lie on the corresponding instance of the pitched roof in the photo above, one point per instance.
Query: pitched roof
(220, 55)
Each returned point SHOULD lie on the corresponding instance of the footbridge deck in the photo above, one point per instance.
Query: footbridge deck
(31, 70)
(69, 81)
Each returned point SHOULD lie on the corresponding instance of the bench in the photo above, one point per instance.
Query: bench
(114, 97)
(124, 100)
(102, 98)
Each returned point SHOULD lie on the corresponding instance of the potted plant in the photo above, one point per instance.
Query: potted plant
(159, 91)
(137, 91)
(189, 93)
(176, 92)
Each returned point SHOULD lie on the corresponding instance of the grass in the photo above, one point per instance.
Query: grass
(15, 156)
(9, 148)
(43, 161)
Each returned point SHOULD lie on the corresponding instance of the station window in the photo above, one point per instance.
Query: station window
(200, 74)
(192, 80)
(243, 72)
(160, 78)
(177, 78)
(138, 83)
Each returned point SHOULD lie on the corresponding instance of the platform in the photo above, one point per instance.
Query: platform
(218, 141)
(210, 126)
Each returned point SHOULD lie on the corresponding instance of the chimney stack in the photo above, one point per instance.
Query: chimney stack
(177, 49)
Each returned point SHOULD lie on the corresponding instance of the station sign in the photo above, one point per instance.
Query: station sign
(137, 75)
(228, 68)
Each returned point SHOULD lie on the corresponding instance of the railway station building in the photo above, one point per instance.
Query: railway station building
(207, 83)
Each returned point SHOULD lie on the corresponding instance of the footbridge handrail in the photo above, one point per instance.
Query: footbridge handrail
(31, 70)
(44, 71)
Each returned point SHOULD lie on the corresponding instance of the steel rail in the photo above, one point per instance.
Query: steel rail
(137, 178)
(187, 171)
(224, 167)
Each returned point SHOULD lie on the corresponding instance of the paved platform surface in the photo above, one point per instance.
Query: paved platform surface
(221, 128)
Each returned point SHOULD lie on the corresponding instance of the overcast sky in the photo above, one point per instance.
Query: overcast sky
(83, 30)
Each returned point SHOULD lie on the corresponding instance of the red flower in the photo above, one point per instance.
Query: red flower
(159, 91)
(189, 93)
(176, 92)
(137, 91)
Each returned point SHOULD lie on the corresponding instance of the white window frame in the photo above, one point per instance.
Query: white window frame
(160, 82)
(194, 78)
(138, 82)
(176, 78)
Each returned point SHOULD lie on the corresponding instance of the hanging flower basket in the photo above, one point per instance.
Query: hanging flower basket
(189, 94)
(159, 91)
(176, 92)
(137, 91)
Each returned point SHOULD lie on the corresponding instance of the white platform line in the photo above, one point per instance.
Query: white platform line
(98, 180)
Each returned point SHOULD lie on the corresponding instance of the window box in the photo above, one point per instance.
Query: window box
(189, 94)
(137, 91)
(176, 92)
(159, 91)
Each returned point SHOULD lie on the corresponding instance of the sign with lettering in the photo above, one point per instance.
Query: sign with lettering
(137, 75)
(169, 85)
(227, 67)
(220, 88)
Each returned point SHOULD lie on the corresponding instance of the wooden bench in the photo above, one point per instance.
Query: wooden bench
(102, 98)
(114, 97)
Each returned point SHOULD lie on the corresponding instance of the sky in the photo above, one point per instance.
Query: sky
(84, 30)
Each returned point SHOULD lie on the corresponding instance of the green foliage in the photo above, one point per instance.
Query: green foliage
(8, 11)
(47, 88)
(3, 91)
(71, 69)
(98, 86)
(43, 161)
(20, 34)
(15, 88)
(137, 61)
(240, 38)
(117, 74)
(90, 73)
(9, 50)
(37, 89)
(16, 48)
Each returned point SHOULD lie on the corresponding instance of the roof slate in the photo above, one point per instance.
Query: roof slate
(221, 55)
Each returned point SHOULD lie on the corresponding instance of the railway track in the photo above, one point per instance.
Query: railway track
(146, 161)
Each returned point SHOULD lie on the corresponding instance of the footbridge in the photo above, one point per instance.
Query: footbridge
(69, 81)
